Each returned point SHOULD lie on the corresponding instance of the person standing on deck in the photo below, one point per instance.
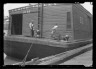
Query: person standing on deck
(54, 30)
(38, 33)
(31, 25)
(67, 37)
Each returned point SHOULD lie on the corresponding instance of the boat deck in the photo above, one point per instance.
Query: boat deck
(43, 41)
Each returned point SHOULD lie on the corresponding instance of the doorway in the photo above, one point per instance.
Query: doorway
(16, 24)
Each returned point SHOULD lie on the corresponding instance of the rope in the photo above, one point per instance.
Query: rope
(23, 62)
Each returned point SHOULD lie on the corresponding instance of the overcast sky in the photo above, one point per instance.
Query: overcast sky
(9, 6)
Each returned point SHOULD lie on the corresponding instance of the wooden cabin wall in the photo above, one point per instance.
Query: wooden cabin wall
(26, 20)
(81, 29)
(28, 15)
(91, 25)
(16, 11)
(23, 10)
(55, 15)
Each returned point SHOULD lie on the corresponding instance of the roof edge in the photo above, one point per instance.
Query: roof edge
(83, 9)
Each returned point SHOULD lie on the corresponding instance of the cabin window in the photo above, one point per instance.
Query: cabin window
(81, 20)
(68, 20)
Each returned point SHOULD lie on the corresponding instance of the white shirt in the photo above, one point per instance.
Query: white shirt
(31, 25)
(66, 35)
(55, 27)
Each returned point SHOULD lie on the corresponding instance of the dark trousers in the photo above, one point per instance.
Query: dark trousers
(32, 32)
(67, 38)
(38, 33)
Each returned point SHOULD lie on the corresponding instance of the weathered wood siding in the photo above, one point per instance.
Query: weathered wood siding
(29, 13)
(81, 29)
(55, 15)
(23, 10)
(26, 20)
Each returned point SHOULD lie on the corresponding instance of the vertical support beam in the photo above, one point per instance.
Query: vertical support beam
(92, 27)
(40, 18)
(38, 15)
(9, 25)
(72, 21)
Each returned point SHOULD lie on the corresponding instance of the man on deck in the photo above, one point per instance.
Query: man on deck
(31, 25)
(54, 30)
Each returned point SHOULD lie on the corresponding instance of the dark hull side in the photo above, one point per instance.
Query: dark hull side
(18, 49)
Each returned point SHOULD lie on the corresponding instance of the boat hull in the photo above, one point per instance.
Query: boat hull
(19, 49)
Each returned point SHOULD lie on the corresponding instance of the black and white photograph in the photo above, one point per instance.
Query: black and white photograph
(48, 34)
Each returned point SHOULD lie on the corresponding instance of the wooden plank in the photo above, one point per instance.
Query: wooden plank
(54, 11)
(50, 21)
(54, 17)
(58, 22)
(55, 22)
(51, 26)
(46, 10)
(16, 11)
(58, 7)
(55, 14)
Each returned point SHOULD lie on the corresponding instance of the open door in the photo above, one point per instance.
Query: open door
(16, 25)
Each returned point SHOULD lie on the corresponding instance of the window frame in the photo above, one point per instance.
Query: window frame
(69, 21)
